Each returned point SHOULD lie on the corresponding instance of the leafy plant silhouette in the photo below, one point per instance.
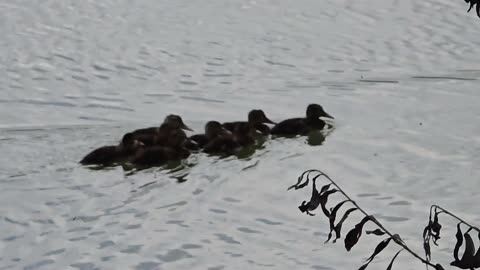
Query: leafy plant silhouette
(470, 259)
(471, 256)
(473, 3)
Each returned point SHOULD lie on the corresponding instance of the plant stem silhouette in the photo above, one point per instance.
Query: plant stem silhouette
(395, 237)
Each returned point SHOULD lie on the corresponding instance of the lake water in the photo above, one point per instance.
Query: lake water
(400, 77)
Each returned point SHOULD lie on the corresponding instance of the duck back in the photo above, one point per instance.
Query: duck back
(297, 126)
(159, 155)
(293, 126)
(231, 126)
(107, 155)
(151, 156)
(146, 131)
(222, 145)
(261, 128)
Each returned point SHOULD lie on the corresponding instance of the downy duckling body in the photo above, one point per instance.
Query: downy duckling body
(256, 118)
(172, 119)
(229, 144)
(112, 154)
(158, 155)
(213, 129)
(170, 133)
(302, 126)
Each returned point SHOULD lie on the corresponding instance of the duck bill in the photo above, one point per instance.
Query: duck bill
(185, 127)
(327, 115)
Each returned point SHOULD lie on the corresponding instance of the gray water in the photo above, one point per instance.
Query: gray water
(400, 77)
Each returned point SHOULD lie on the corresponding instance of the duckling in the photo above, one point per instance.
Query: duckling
(172, 119)
(158, 155)
(213, 129)
(106, 155)
(230, 144)
(256, 118)
(170, 133)
(302, 126)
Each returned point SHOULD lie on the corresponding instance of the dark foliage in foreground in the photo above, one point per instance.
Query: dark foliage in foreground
(472, 4)
(471, 256)
(469, 260)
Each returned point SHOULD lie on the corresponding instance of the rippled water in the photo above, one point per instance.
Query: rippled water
(401, 78)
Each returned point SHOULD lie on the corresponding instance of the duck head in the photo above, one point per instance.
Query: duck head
(214, 129)
(174, 121)
(258, 117)
(315, 111)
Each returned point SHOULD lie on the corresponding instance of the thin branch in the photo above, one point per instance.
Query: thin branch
(443, 210)
(395, 238)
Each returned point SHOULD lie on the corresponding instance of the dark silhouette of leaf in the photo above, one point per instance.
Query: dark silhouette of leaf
(324, 200)
(426, 247)
(353, 235)
(459, 243)
(314, 202)
(471, 5)
(380, 247)
(476, 260)
(427, 229)
(435, 228)
(467, 261)
(376, 232)
(300, 178)
(393, 259)
(338, 227)
(332, 217)
(439, 267)
(324, 188)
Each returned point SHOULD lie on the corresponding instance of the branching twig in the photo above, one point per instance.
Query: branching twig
(443, 210)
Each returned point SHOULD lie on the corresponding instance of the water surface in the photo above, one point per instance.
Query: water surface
(400, 77)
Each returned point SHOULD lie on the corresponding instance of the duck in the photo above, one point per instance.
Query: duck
(171, 119)
(213, 129)
(158, 155)
(230, 144)
(170, 133)
(256, 118)
(112, 154)
(302, 126)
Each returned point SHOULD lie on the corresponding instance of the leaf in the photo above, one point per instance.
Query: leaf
(353, 235)
(314, 202)
(439, 267)
(332, 217)
(380, 247)
(393, 259)
(471, 6)
(300, 178)
(338, 227)
(467, 260)
(376, 232)
(435, 228)
(477, 255)
(324, 188)
(426, 231)
(459, 242)
(324, 199)
(426, 247)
